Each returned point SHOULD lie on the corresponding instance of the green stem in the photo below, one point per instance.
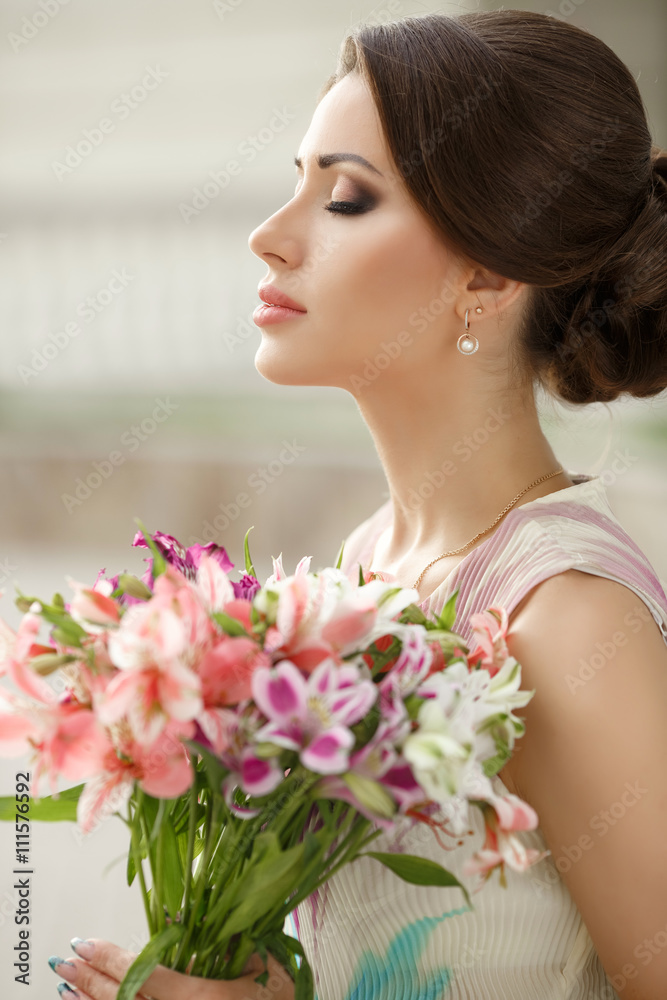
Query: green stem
(144, 828)
(159, 878)
(189, 861)
(210, 825)
(138, 865)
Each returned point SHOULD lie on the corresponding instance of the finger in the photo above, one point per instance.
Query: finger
(111, 961)
(93, 971)
(82, 981)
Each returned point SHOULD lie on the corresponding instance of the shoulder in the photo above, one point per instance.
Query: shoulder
(583, 639)
(591, 760)
(576, 611)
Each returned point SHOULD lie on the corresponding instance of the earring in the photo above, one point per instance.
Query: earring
(467, 342)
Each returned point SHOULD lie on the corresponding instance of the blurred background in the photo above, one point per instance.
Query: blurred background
(126, 294)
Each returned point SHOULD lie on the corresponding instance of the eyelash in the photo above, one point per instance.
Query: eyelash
(347, 207)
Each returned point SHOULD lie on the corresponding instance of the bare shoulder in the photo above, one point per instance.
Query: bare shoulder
(579, 610)
(592, 761)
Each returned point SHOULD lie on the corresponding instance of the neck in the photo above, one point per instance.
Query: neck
(453, 461)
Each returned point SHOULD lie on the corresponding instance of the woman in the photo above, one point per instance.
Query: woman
(479, 211)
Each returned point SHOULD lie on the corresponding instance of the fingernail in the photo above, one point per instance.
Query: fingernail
(67, 991)
(66, 970)
(83, 948)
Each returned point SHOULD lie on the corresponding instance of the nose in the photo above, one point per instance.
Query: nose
(274, 239)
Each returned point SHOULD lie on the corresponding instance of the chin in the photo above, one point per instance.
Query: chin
(285, 369)
(280, 367)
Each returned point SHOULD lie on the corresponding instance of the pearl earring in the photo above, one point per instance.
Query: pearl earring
(467, 342)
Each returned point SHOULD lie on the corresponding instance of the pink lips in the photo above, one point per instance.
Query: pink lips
(273, 297)
(277, 308)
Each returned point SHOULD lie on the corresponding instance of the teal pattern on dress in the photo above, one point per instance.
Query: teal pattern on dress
(378, 978)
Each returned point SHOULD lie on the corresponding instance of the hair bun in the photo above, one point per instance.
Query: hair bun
(659, 173)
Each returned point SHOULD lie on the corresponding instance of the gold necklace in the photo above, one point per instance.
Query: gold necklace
(504, 511)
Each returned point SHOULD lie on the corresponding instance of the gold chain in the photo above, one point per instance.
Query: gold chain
(479, 535)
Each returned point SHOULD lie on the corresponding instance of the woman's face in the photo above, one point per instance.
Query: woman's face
(362, 275)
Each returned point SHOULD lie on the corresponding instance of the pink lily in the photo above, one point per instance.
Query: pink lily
(150, 697)
(93, 605)
(67, 741)
(313, 715)
(16, 651)
(297, 622)
(490, 629)
(501, 847)
(162, 769)
(227, 668)
(302, 567)
(213, 587)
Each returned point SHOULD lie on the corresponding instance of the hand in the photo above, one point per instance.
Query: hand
(98, 976)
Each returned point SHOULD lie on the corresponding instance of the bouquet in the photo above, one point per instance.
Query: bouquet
(255, 738)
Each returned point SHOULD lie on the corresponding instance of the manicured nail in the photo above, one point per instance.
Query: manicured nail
(84, 949)
(67, 991)
(62, 968)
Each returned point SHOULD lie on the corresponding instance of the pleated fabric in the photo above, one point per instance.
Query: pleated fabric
(369, 935)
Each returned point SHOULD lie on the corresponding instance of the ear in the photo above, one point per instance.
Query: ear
(493, 292)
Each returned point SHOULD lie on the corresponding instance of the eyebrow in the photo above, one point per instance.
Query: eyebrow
(328, 159)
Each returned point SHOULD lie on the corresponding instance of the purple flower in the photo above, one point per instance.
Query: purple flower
(185, 560)
(246, 587)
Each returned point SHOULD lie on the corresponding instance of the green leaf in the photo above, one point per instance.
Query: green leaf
(215, 770)
(131, 868)
(304, 987)
(68, 635)
(418, 871)
(339, 558)
(448, 614)
(265, 885)
(229, 625)
(159, 563)
(172, 870)
(412, 613)
(45, 809)
(147, 960)
(249, 568)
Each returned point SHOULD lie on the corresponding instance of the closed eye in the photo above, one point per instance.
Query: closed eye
(347, 207)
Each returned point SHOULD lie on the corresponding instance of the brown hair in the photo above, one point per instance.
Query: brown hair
(524, 140)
